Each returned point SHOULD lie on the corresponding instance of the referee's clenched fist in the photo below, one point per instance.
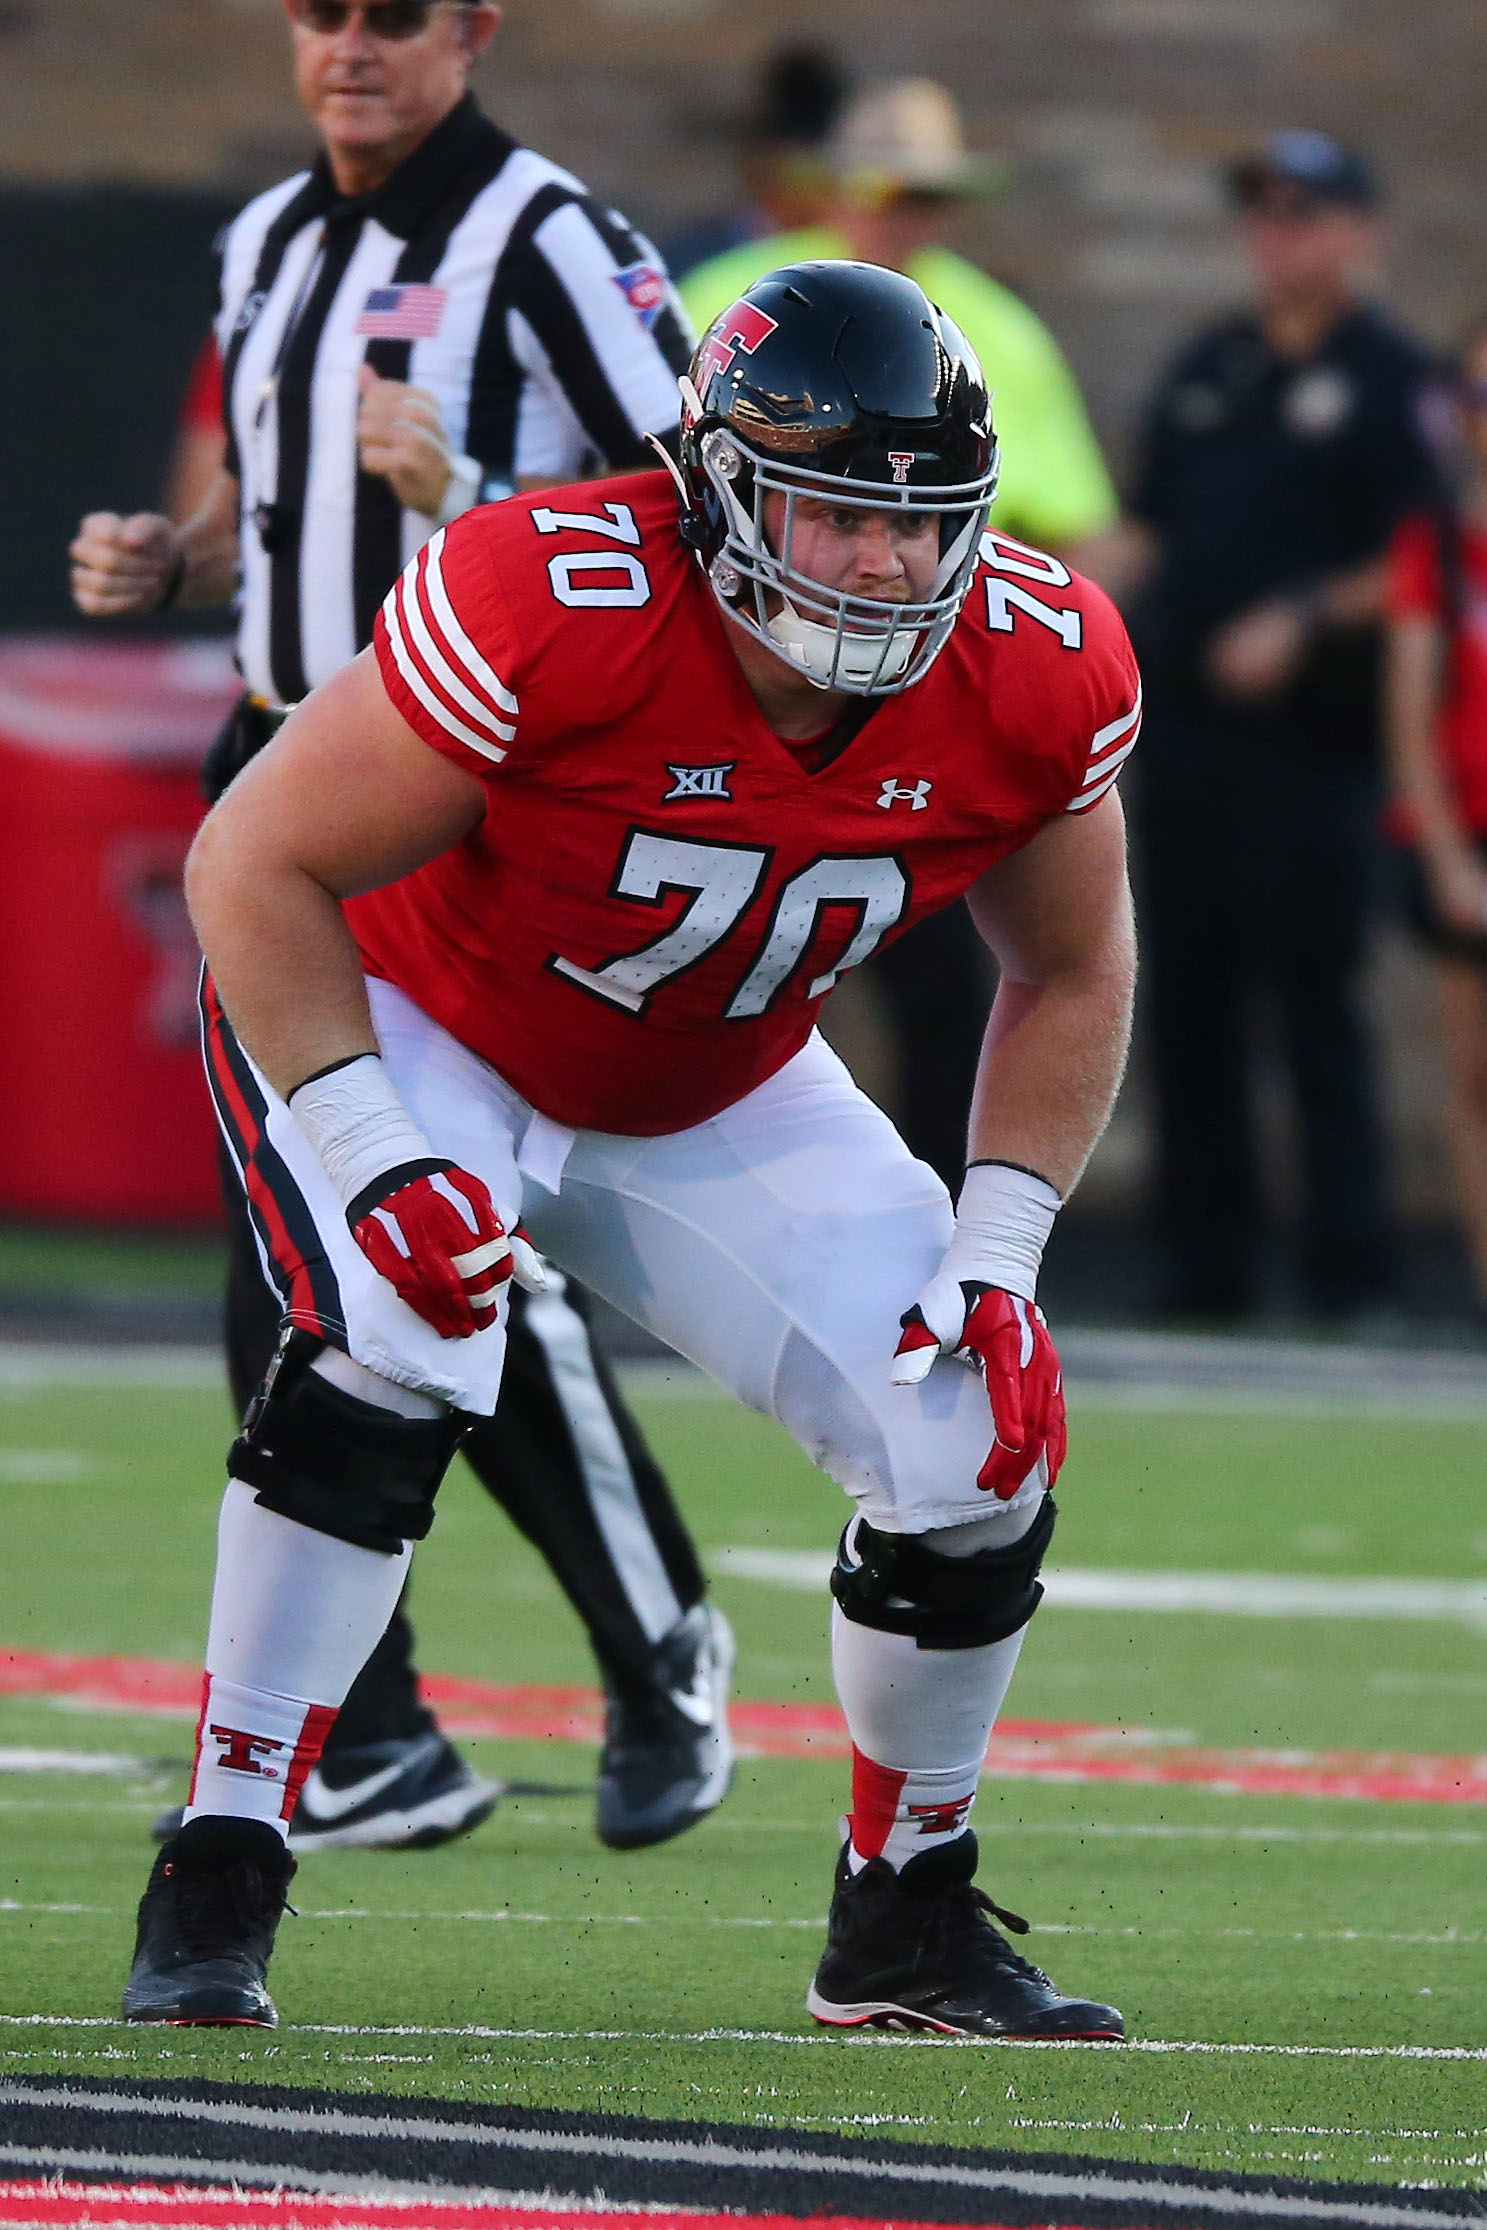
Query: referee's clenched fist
(400, 437)
(123, 565)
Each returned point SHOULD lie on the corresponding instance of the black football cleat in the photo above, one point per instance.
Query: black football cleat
(207, 1923)
(405, 1794)
(917, 1950)
(668, 1756)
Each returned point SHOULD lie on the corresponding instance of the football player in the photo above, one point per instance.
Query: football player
(523, 923)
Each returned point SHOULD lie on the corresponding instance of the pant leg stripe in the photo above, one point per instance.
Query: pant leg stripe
(305, 1277)
(604, 1466)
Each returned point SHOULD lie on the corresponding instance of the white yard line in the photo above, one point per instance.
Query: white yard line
(115, 1763)
(1445, 1939)
(877, 2040)
(1230, 1594)
(28, 1366)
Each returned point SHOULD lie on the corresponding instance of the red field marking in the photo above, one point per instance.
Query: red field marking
(1021, 1749)
(218, 2207)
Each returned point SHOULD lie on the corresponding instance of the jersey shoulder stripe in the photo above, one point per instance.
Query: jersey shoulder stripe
(1109, 750)
(453, 693)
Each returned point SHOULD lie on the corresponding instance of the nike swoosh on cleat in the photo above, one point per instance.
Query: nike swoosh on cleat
(323, 1803)
(698, 1703)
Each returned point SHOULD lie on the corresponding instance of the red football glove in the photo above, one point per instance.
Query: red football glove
(1007, 1340)
(437, 1238)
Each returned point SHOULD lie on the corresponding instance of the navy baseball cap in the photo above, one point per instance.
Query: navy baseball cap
(1310, 169)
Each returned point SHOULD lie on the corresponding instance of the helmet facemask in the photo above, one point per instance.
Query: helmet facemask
(859, 645)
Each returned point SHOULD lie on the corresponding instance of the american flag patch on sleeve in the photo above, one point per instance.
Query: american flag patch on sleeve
(402, 313)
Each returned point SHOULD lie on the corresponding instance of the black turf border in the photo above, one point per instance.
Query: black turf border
(770, 2188)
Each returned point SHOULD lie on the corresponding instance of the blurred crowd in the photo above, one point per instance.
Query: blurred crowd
(1300, 552)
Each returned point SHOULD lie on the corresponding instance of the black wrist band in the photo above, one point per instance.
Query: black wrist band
(995, 1161)
(174, 584)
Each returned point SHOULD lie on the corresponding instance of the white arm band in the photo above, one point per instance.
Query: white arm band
(463, 491)
(1002, 1222)
(357, 1125)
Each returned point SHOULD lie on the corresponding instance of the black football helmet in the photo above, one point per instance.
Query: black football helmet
(842, 381)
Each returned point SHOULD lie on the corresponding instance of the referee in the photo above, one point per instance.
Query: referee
(431, 317)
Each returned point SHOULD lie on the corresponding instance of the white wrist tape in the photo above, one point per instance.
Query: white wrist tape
(1002, 1222)
(462, 493)
(357, 1125)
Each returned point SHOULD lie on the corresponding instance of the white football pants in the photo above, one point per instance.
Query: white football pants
(776, 1246)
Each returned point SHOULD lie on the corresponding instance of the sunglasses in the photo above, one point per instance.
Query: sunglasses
(383, 19)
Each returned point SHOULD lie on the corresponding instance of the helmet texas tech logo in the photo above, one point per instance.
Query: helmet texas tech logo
(902, 462)
(742, 327)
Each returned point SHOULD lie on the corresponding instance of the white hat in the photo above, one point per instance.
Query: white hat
(905, 136)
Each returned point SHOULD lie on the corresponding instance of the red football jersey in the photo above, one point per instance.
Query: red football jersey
(1417, 586)
(660, 896)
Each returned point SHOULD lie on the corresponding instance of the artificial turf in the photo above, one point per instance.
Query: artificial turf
(1305, 1965)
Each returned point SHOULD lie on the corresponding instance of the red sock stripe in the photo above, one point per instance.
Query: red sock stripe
(876, 1790)
(319, 1720)
(201, 1720)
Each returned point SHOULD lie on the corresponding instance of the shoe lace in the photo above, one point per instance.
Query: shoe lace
(963, 1919)
(213, 1910)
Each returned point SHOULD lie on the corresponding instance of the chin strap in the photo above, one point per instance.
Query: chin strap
(828, 656)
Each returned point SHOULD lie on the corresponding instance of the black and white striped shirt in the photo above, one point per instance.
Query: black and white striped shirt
(544, 325)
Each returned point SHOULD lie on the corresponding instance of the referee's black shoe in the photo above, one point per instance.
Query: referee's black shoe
(917, 1950)
(207, 1923)
(668, 1755)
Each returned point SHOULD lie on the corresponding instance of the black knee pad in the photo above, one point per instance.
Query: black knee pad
(338, 1464)
(946, 1602)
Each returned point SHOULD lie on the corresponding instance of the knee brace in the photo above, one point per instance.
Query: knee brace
(337, 1464)
(892, 1581)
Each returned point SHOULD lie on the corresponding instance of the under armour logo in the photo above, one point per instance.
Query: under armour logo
(238, 1752)
(941, 1819)
(901, 461)
(700, 782)
(915, 795)
(247, 315)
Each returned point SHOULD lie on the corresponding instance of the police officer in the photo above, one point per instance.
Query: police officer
(429, 317)
(1280, 449)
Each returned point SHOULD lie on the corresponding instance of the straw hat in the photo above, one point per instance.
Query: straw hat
(905, 137)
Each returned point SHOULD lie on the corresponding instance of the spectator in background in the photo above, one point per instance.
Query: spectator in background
(1281, 449)
(901, 172)
(782, 165)
(1437, 733)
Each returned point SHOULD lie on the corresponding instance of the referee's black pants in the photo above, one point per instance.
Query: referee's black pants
(617, 1546)
(1258, 857)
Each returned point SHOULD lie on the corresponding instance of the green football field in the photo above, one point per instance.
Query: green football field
(1303, 1974)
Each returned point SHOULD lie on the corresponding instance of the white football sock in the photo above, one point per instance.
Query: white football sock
(920, 1719)
(295, 1616)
